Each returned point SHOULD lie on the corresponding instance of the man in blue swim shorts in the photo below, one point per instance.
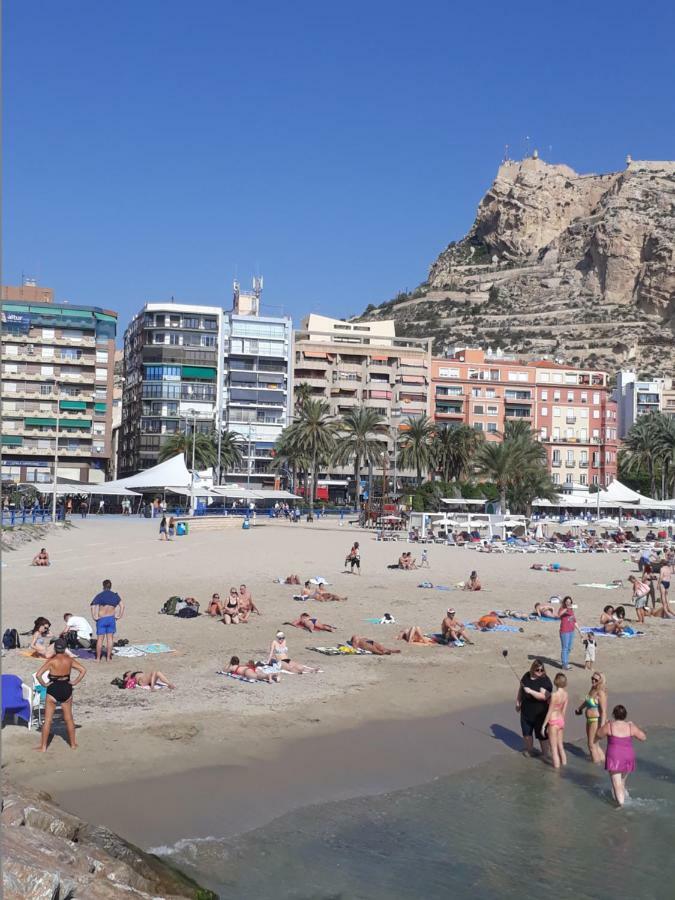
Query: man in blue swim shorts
(106, 608)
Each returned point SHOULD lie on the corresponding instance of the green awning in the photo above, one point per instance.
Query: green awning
(75, 423)
(73, 404)
(40, 422)
(100, 407)
(11, 440)
(207, 373)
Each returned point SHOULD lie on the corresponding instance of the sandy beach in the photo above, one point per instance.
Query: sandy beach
(134, 737)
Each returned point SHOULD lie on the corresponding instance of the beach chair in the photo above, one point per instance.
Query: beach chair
(14, 700)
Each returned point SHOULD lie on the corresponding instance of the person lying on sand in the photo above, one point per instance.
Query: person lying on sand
(473, 584)
(544, 609)
(488, 621)
(246, 605)
(247, 670)
(41, 558)
(452, 629)
(323, 595)
(153, 680)
(309, 624)
(551, 567)
(415, 635)
(363, 643)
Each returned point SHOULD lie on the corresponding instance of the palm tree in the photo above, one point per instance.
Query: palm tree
(517, 466)
(665, 452)
(640, 448)
(415, 445)
(498, 462)
(361, 438)
(206, 454)
(303, 393)
(231, 455)
(287, 455)
(313, 437)
(454, 449)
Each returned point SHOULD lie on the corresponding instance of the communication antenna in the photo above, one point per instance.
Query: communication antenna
(506, 153)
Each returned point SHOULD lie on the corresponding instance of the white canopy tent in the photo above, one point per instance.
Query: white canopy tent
(463, 501)
(168, 474)
(276, 495)
(109, 489)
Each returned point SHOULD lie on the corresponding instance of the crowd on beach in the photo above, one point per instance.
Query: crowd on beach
(541, 702)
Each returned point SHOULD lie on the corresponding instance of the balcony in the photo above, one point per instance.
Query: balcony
(517, 413)
(449, 412)
(584, 464)
(556, 463)
(570, 464)
(570, 420)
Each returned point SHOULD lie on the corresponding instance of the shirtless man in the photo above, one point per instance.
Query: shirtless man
(107, 608)
(246, 605)
(309, 624)
(665, 577)
(323, 595)
(545, 610)
(362, 643)
(452, 630)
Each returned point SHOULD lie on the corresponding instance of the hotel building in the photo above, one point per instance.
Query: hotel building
(57, 384)
(570, 409)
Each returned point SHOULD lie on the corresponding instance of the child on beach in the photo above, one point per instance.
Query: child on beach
(555, 721)
(424, 561)
(590, 645)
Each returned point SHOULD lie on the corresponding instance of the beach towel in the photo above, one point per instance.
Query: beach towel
(341, 650)
(318, 579)
(82, 653)
(128, 651)
(496, 628)
(300, 597)
(152, 648)
(240, 677)
(436, 587)
(381, 621)
(628, 633)
(438, 637)
(596, 584)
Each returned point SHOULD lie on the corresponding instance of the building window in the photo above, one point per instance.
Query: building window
(478, 410)
(555, 478)
(190, 322)
(584, 397)
(490, 393)
(596, 413)
(492, 427)
(556, 396)
(492, 410)
(583, 479)
(448, 373)
(101, 356)
(570, 396)
(517, 376)
(596, 397)
(101, 374)
(475, 392)
(556, 412)
(544, 410)
(544, 395)
(544, 433)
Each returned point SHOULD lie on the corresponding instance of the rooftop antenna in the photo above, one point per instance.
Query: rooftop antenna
(506, 153)
(527, 145)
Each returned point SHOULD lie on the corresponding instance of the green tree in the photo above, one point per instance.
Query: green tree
(313, 437)
(302, 393)
(453, 450)
(517, 466)
(641, 448)
(231, 455)
(361, 438)
(206, 454)
(415, 445)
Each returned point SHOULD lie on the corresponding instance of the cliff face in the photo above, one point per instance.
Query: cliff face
(582, 266)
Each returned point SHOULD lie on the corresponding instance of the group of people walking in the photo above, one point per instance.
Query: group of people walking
(543, 705)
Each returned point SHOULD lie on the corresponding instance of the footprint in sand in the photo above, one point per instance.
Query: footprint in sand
(175, 732)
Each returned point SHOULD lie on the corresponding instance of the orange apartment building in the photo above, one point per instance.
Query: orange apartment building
(570, 409)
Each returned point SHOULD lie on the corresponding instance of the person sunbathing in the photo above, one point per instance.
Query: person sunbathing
(610, 622)
(216, 608)
(152, 680)
(249, 670)
(544, 610)
(363, 643)
(473, 584)
(415, 635)
(452, 629)
(39, 644)
(550, 567)
(292, 579)
(323, 595)
(309, 624)
(231, 608)
(279, 657)
(406, 561)
(246, 605)
(488, 621)
(41, 558)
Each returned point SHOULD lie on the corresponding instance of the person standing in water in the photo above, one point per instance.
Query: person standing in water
(595, 705)
(554, 723)
(620, 756)
(532, 704)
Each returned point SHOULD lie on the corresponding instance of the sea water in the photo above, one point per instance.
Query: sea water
(509, 830)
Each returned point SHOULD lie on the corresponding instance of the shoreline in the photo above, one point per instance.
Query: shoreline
(225, 801)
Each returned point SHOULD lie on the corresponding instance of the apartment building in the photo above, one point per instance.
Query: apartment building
(201, 367)
(256, 395)
(636, 397)
(364, 364)
(172, 379)
(570, 409)
(57, 383)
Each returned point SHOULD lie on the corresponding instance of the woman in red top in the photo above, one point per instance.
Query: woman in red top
(568, 625)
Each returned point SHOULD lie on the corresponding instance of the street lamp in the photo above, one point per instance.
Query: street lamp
(248, 467)
(193, 413)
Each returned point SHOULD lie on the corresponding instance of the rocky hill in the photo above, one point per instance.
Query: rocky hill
(580, 267)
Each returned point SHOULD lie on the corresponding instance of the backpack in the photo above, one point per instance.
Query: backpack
(188, 612)
(169, 607)
(10, 639)
(72, 640)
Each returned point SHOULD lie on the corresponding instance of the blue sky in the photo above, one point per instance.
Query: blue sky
(157, 148)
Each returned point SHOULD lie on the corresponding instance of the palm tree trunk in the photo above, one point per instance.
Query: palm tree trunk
(357, 481)
(313, 489)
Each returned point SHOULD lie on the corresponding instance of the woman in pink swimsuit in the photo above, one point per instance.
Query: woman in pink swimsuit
(555, 721)
(620, 755)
